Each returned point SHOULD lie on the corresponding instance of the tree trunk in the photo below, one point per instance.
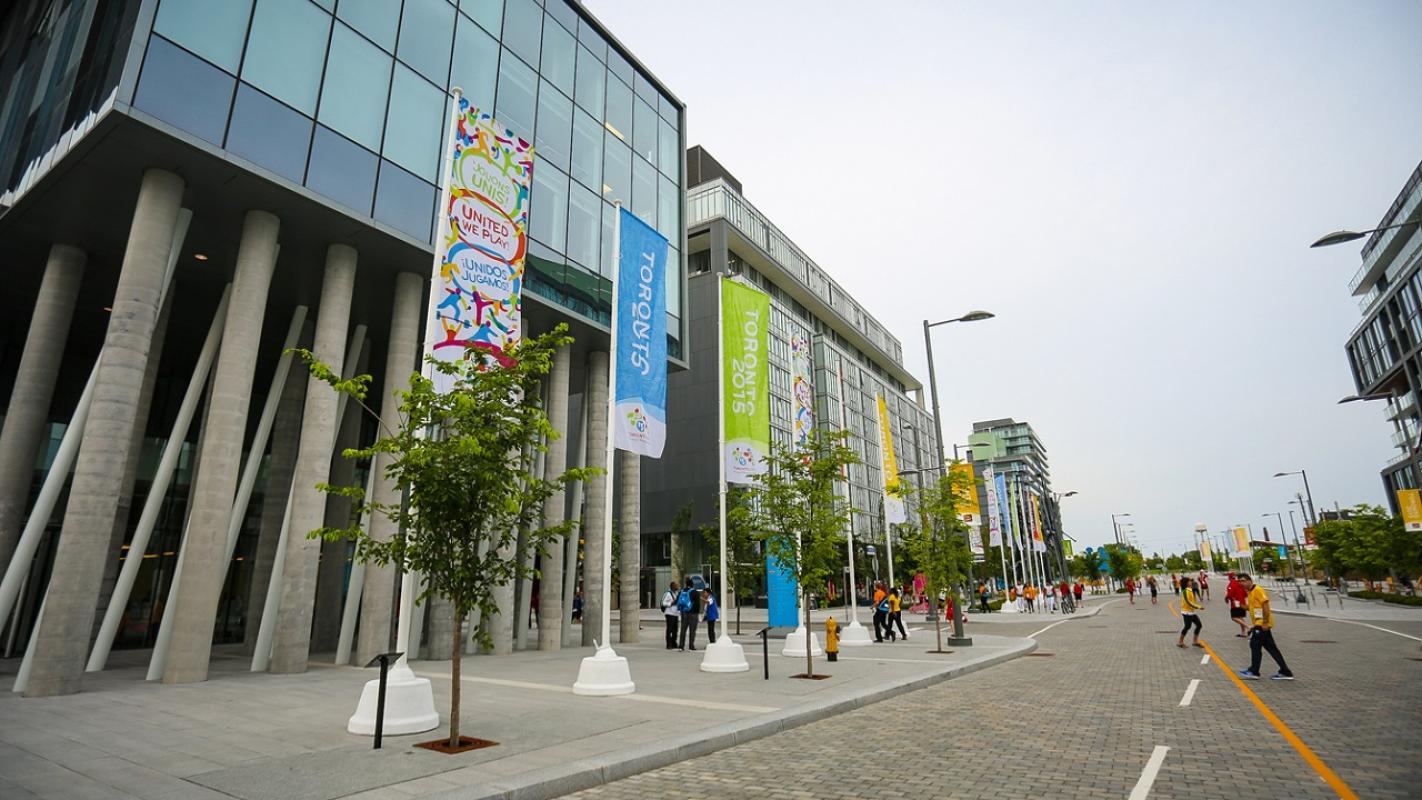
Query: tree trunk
(937, 618)
(738, 615)
(456, 652)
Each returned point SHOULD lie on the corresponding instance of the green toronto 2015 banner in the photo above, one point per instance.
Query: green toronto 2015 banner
(745, 317)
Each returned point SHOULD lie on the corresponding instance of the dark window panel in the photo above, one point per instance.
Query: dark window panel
(342, 170)
(488, 13)
(620, 66)
(426, 36)
(523, 28)
(581, 291)
(589, 37)
(183, 90)
(404, 201)
(266, 132)
(564, 13)
(544, 273)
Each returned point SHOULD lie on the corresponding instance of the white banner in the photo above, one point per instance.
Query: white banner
(994, 521)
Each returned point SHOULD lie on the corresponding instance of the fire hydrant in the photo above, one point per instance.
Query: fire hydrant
(832, 639)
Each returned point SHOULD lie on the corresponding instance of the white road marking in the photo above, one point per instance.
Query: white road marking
(1190, 692)
(643, 698)
(1152, 768)
(1049, 627)
(1384, 630)
(1205, 659)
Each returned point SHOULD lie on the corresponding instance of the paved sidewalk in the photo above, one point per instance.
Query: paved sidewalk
(258, 736)
(1350, 609)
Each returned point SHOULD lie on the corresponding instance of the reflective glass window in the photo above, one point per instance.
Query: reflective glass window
(326, 4)
(564, 13)
(584, 225)
(668, 209)
(268, 133)
(548, 212)
(592, 82)
(357, 80)
(673, 285)
(644, 191)
(518, 91)
(341, 170)
(644, 131)
(476, 64)
(644, 89)
(668, 151)
(580, 290)
(405, 202)
(619, 66)
(619, 109)
(555, 125)
(377, 19)
(412, 129)
(488, 13)
(607, 267)
(523, 28)
(426, 35)
(215, 30)
(666, 108)
(286, 50)
(616, 170)
(587, 151)
(560, 52)
(589, 37)
(545, 272)
(183, 90)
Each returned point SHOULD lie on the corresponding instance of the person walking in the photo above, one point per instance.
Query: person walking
(896, 616)
(1131, 590)
(1174, 583)
(1261, 636)
(881, 611)
(983, 599)
(1078, 590)
(1205, 585)
(1189, 612)
(713, 613)
(1154, 590)
(688, 604)
(1031, 598)
(672, 613)
(1237, 598)
(1021, 599)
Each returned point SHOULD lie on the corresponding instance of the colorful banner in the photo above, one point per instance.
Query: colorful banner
(640, 424)
(1308, 536)
(745, 312)
(1005, 512)
(994, 512)
(894, 511)
(1205, 551)
(1241, 541)
(483, 236)
(782, 599)
(1038, 543)
(1067, 548)
(969, 511)
(1410, 501)
(802, 395)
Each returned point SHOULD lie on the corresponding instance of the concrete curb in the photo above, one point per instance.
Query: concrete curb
(586, 773)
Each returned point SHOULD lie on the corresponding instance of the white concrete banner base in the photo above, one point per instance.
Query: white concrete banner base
(1008, 608)
(409, 705)
(724, 656)
(854, 635)
(795, 644)
(603, 674)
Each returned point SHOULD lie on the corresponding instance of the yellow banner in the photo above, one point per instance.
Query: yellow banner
(1410, 501)
(1036, 519)
(886, 449)
(967, 493)
(1241, 540)
(1204, 550)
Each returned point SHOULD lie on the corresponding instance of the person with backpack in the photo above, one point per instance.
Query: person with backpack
(881, 612)
(712, 615)
(688, 604)
(672, 613)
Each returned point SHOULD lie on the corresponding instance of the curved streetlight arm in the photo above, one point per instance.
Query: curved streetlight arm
(1339, 237)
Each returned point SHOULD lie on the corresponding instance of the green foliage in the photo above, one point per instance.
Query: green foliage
(743, 566)
(1123, 562)
(1175, 563)
(1193, 561)
(1087, 565)
(1389, 597)
(798, 516)
(1371, 543)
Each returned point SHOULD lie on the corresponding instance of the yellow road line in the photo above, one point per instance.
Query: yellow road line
(1328, 775)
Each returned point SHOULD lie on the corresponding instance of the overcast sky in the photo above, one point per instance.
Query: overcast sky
(1130, 187)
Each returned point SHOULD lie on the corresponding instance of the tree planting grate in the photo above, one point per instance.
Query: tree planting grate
(1318, 641)
(1167, 631)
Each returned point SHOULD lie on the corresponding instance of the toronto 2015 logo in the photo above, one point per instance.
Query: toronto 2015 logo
(743, 456)
(637, 420)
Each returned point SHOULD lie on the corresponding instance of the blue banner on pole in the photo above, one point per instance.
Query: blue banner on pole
(1282, 552)
(1004, 508)
(781, 594)
(640, 425)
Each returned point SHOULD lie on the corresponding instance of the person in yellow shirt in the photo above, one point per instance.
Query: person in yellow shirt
(1261, 635)
(1190, 608)
(896, 616)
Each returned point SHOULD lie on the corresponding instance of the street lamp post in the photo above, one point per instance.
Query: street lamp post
(1116, 528)
(958, 638)
(1339, 237)
(1310, 516)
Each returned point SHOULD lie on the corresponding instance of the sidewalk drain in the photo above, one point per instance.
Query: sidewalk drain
(1048, 655)
(1317, 641)
(1171, 631)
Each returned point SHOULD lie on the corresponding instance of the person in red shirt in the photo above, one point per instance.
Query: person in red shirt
(1131, 590)
(1077, 590)
(1236, 596)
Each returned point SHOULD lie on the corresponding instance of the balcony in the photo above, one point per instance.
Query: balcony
(1375, 252)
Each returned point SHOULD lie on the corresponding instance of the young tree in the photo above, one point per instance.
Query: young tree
(1175, 563)
(468, 490)
(743, 565)
(1123, 562)
(1087, 565)
(939, 545)
(799, 517)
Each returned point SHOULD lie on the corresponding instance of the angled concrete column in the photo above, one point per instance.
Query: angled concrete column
(595, 521)
(204, 555)
(575, 511)
(61, 642)
(313, 465)
(286, 433)
(629, 560)
(378, 594)
(501, 625)
(28, 411)
(555, 463)
(331, 577)
(439, 635)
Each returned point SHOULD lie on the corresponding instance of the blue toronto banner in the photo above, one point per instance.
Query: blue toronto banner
(640, 424)
(781, 595)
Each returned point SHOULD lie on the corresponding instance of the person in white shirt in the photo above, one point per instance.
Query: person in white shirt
(672, 614)
(1021, 599)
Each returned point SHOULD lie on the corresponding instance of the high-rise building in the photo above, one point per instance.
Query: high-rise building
(811, 317)
(1385, 350)
(1013, 449)
(305, 139)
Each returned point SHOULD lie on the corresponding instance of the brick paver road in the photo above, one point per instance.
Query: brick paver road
(1083, 722)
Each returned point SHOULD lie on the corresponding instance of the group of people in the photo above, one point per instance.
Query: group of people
(1134, 587)
(1063, 595)
(888, 613)
(684, 606)
(1249, 608)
